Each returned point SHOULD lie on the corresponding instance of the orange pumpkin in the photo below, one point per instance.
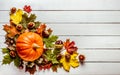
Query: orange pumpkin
(29, 46)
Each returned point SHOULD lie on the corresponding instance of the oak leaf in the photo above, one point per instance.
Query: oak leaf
(11, 30)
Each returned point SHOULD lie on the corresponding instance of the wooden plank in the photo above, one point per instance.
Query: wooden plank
(95, 41)
(85, 29)
(110, 56)
(87, 69)
(63, 4)
(70, 16)
(87, 41)
(80, 29)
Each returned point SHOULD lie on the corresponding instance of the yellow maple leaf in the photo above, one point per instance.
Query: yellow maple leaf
(16, 17)
(72, 62)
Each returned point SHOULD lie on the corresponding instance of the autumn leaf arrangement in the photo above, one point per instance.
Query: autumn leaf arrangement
(31, 45)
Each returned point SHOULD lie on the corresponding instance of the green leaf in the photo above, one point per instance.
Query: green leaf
(50, 56)
(49, 42)
(56, 51)
(17, 61)
(5, 50)
(53, 38)
(7, 59)
(26, 19)
(37, 24)
(32, 18)
(54, 60)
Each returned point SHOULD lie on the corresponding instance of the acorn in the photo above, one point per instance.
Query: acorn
(19, 27)
(31, 24)
(12, 54)
(13, 10)
(59, 44)
(67, 57)
(81, 58)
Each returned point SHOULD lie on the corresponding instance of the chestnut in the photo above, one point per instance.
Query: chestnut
(59, 44)
(13, 10)
(19, 27)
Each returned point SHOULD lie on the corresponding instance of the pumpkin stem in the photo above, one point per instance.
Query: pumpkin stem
(35, 46)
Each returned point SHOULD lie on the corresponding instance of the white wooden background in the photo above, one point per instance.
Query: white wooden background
(93, 24)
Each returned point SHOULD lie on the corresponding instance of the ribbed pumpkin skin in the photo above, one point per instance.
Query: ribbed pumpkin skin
(25, 43)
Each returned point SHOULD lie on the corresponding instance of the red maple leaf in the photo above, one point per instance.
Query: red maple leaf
(27, 8)
(70, 46)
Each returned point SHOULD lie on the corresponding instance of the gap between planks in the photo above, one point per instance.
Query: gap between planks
(74, 22)
(68, 10)
(97, 62)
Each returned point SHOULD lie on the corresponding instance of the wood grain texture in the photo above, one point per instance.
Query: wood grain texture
(63, 4)
(95, 56)
(93, 24)
(70, 16)
(87, 41)
(80, 29)
(87, 69)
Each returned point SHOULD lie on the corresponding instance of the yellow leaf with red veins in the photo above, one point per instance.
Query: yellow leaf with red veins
(11, 30)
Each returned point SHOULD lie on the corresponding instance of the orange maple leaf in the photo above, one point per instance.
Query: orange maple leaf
(40, 29)
(11, 30)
